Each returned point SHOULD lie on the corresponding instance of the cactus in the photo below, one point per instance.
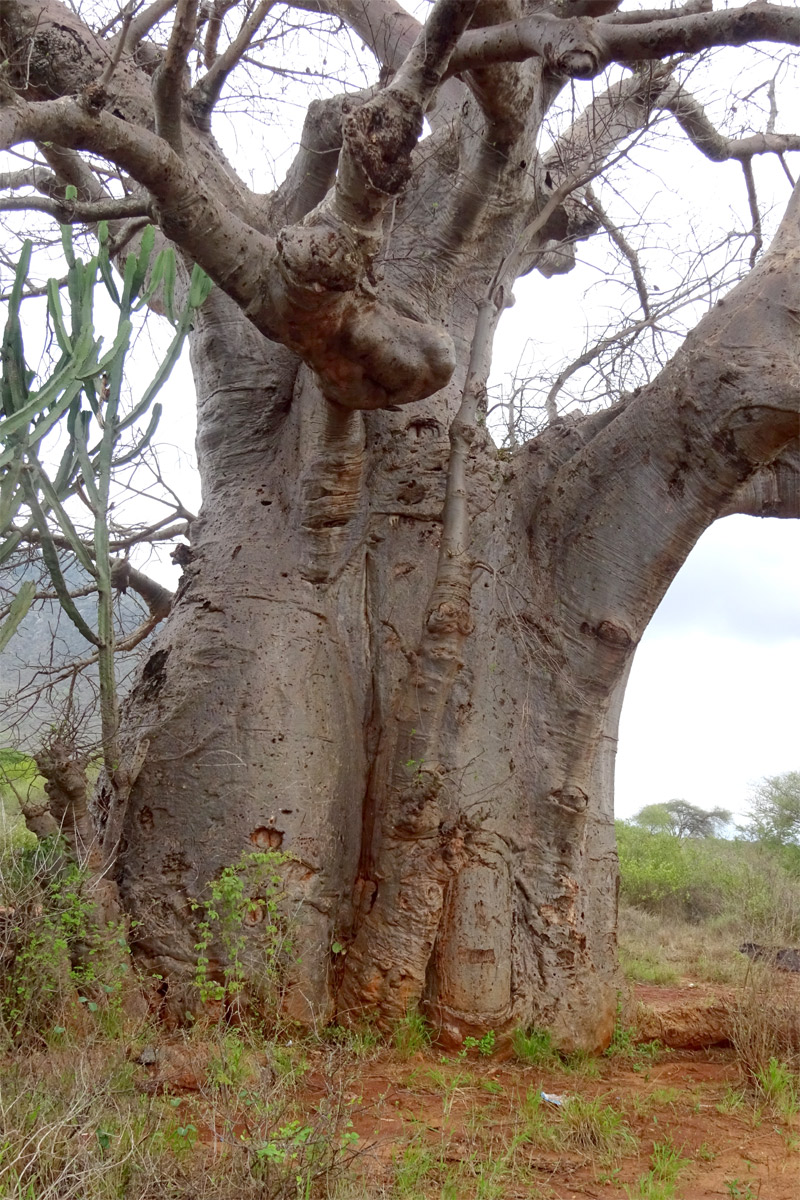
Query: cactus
(82, 394)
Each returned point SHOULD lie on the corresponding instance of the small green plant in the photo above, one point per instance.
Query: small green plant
(411, 1035)
(666, 1167)
(56, 959)
(360, 1041)
(231, 1065)
(732, 1100)
(777, 1087)
(484, 1045)
(595, 1128)
(535, 1047)
(739, 1189)
(624, 1043)
(412, 1167)
(246, 894)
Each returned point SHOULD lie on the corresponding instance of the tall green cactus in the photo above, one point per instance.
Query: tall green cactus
(82, 394)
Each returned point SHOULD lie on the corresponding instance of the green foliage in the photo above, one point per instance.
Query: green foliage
(647, 967)
(81, 398)
(624, 1043)
(777, 1087)
(19, 780)
(698, 879)
(55, 958)
(775, 818)
(484, 1045)
(682, 819)
(244, 895)
(666, 1167)
(411, 1035)
(535, 1047)
(360, 1041)
(595, 1128)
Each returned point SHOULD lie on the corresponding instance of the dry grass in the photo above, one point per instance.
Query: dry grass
(210, 1118)
(661, 950)
(765, 1021)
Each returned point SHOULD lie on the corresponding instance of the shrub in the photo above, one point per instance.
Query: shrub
(700, 879)
(53, 956)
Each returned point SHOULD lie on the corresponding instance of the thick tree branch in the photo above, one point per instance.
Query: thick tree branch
(69, 212)
(581, 48)
(169, 79)
(307, 290)
(773, 491)
(645, 16)
(40, 178)
(692, 119)
(689, 447)
(313, 170)
(214, 28)
(157, 598)
(383, 25)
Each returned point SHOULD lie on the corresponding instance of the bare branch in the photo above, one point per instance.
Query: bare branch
(755, 214)
(623, 245)
(69, 212)
(383, 25)
(141, 25)
(645, 16)
(119, 45)
(581, 48)
(157, 598)
(161, 531)
(206, 92)
(168, 81)
(40, 178)
(616, 114)
(691, 117)
(214, 28)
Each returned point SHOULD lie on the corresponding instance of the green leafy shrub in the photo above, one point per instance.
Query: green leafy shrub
(695, 879)
(242, 928)
(54, 958)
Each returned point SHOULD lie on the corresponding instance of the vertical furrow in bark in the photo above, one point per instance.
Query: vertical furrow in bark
(330, 490)
(418, 835)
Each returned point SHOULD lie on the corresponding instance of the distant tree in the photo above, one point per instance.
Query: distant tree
(682, 819)
(775, 816)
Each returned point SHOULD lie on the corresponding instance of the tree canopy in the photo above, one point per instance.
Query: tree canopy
(775, 805)
(682, 819)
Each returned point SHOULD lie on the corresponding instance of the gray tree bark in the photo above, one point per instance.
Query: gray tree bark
(398, 654)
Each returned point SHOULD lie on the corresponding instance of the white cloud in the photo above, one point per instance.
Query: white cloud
(714, 696)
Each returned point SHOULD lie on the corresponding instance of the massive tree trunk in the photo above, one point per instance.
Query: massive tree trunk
(448, 810)
(398, 654)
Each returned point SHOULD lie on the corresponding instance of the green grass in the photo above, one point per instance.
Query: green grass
(667, 1165)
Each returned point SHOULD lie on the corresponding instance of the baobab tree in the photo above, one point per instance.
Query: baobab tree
(397, 653)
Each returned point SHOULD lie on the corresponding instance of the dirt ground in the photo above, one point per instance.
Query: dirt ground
(684, 1096)
(444, 1127)
(466, 1112)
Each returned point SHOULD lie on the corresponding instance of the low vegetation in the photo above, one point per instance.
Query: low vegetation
(97, 1101)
